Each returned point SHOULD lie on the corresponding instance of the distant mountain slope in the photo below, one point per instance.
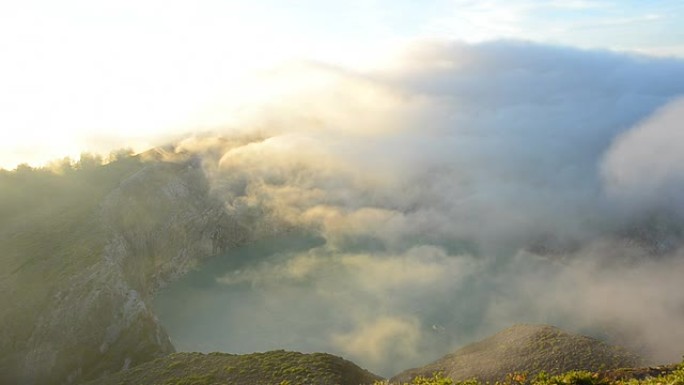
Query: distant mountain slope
(270, 368)
(530, 348)
(82, 251)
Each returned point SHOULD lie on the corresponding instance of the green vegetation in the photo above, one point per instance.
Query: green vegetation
(530, 348)
(292, 368)
(668, 375)
(271, 368)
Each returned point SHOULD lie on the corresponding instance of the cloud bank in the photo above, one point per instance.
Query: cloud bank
(462, 189)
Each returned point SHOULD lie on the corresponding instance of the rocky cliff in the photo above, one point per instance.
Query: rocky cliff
(82, 259)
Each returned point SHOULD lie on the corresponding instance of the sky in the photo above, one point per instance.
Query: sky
(80, 75)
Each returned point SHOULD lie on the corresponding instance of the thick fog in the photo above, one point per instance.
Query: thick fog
(453, 193)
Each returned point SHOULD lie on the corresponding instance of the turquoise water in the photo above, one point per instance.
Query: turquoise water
(260, 297)
(202, 314)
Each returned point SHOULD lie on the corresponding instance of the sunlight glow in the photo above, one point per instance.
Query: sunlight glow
(96, 76)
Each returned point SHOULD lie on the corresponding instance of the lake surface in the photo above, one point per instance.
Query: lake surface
(201, 313)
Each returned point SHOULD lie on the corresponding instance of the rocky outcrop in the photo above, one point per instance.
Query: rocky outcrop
(525, 348)
(89, 312)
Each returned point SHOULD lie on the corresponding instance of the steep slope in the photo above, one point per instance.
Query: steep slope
(270, 368)
(529, 348)
(84, 250)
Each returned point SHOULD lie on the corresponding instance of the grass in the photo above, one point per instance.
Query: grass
(270, 368)
(531, 348)
(292, 368)
(669, 375)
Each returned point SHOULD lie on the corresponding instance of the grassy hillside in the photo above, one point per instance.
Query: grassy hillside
(291, 368)
(530, 348)
(663, 375)
(270, 368)
(535, 355)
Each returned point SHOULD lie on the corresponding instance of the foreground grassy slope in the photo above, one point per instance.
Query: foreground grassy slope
(531, 348)
(270, 368)
(291, 368)
(661, 375)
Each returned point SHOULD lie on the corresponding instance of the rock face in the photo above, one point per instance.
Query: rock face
(529, 348)
(80, 270)
(270, 368)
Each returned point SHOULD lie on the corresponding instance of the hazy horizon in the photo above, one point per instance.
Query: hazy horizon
(81, 77)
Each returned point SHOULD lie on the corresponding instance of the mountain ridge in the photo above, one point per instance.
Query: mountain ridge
(276, 367)
(525, 347)
(83, 265)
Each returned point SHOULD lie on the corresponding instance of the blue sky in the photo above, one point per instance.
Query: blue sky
(80, 75)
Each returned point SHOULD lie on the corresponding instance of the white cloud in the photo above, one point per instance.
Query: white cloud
(469, 194)
(645, 165)
(381, 338)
